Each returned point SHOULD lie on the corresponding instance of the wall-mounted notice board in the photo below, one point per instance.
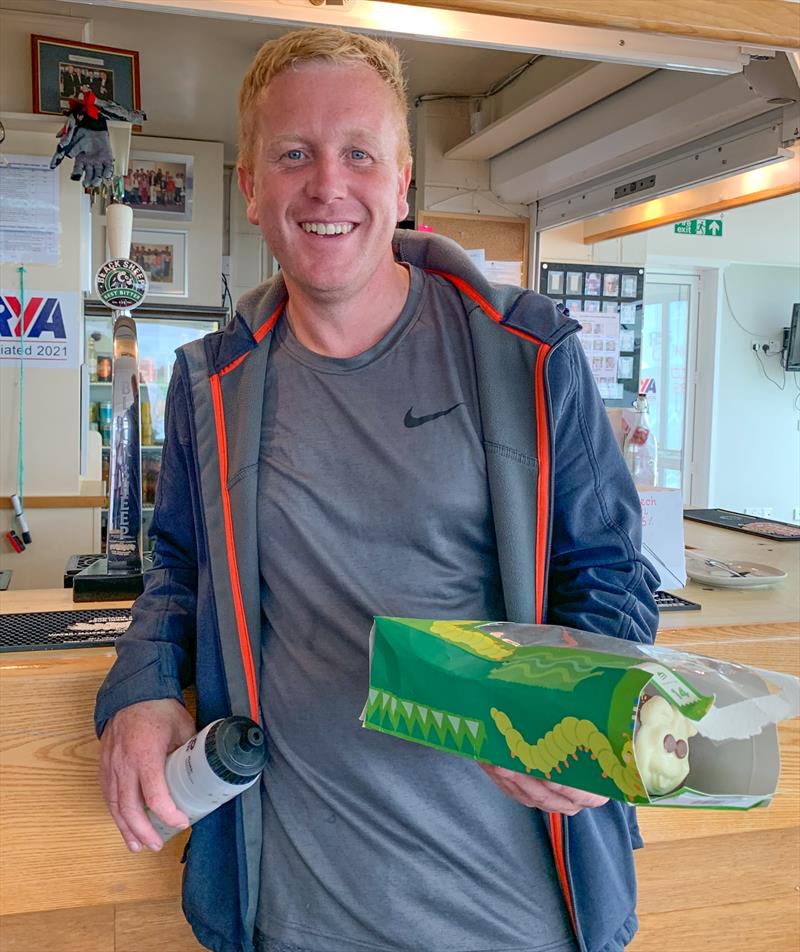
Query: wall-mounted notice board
(608, 301)
(501, 239)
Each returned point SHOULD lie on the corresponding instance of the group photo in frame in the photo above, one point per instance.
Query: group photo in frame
(63, 68)
(159, 185)
(162, 255)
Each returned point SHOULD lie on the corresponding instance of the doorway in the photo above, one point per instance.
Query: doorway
(667, 372)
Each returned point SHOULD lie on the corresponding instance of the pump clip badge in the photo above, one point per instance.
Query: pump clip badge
(121, 283)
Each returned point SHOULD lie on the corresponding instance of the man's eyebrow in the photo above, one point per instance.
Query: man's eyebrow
(354, 136)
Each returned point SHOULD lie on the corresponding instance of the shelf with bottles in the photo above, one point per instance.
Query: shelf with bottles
(151, 467)
(160, 331)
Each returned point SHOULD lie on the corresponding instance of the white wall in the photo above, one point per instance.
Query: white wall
(52, 410)
(203, 231)
(755, 441)
(452, 185)
(51, 403)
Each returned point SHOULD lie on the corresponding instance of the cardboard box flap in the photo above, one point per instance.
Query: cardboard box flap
(748, 717)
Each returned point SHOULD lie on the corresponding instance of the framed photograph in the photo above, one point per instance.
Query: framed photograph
(627, 340)
(593, 281)
(555, 282)
(574, 282)
(610, 307)
(591, 307)
(573, 305)
(610, 285)
(62, 68)
(162, 254)
(629, 284)
(159, 185)
(627, 313)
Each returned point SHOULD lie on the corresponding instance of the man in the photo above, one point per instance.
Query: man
(378, 431)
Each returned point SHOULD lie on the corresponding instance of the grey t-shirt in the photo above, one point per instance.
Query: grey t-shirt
(373, 500)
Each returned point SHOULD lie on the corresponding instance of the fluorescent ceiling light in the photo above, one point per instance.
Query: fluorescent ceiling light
(470, 29)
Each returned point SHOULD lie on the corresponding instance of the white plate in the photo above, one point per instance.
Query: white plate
(718, 576)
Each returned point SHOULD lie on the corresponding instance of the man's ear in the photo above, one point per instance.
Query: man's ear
(403, 181)
(248, 190)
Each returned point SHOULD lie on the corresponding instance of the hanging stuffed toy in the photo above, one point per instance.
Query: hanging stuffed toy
(84, 137)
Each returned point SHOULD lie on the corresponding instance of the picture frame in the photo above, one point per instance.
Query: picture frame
(593, 281)
(630, 283)
(60, 68)
(159, 185)
(627, 313)
(574, 282)
(555, 282)
(163, 255)
(610, 284)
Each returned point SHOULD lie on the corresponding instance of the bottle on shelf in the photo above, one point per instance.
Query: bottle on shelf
(145, 415)
(103, 374)
(639, 448)
(91, 359)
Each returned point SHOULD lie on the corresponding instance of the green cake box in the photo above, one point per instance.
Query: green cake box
(561, 704)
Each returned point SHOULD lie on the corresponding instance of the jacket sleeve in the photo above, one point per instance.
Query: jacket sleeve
(155, 656)
(598, 579)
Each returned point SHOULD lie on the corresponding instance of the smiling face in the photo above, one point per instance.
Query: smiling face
(327, 187)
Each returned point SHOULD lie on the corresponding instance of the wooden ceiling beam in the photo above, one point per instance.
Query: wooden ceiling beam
(773, 24)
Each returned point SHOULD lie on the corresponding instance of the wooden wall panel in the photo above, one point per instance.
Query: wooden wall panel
(60, 847)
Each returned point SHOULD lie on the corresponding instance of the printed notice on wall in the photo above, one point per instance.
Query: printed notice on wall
(29, 210)
(599, 337)
(44, 333)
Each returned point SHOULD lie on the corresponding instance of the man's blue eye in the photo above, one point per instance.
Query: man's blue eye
(294, 154)
(358, 154)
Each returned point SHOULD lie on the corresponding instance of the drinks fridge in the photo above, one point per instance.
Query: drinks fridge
(161, 330)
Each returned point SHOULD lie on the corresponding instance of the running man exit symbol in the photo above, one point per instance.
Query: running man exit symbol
(710, 227)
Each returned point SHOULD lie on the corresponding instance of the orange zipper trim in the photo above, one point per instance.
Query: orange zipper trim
(259, 335)
(557, 839)
(233, 567)
(542, 442)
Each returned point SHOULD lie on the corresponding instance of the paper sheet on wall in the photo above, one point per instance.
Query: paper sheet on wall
(504, 272)
(599, 336)
(478, 257)
(29, 210)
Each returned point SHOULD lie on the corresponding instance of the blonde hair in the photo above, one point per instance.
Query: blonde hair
(319, 44)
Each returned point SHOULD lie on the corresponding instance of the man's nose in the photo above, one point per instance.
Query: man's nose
(326, 181)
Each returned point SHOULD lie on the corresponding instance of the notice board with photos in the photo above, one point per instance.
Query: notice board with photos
(608, 303)
(503, 241)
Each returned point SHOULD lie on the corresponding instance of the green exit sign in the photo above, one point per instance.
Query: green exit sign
(711, 227)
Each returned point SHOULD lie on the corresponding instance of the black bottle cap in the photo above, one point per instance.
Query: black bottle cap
(236, 749)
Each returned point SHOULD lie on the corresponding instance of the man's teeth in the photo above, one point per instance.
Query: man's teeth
(323, 228)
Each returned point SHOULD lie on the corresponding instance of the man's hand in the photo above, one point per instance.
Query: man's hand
(542, 794)
(133, 749)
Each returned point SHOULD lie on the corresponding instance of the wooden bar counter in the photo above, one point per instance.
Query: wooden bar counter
(721, 881)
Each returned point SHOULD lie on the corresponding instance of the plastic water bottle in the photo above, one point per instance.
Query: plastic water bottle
(220, 762)
(639, 449)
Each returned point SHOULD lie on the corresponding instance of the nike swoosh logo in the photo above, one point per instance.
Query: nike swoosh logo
(410, 420)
